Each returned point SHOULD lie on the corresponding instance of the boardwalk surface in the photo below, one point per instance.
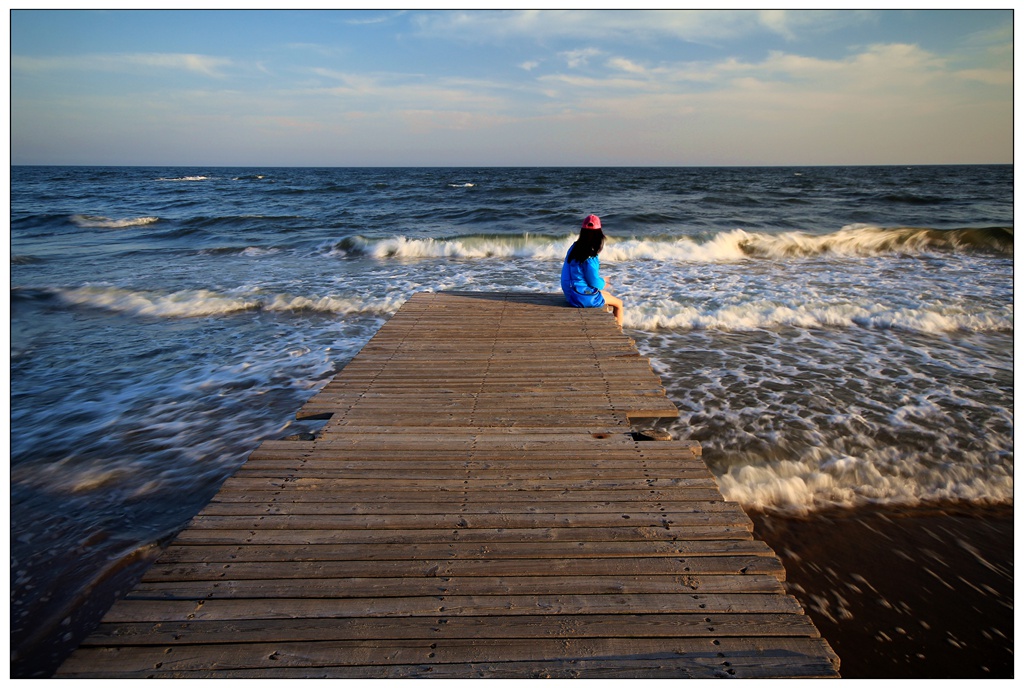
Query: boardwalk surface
(476, 506)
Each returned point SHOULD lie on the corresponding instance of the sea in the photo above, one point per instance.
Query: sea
(837, 338)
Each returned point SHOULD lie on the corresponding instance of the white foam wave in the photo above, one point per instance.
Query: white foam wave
(202, 302)
(107, 223)
(723, 247)
(525, 246)
(766, 315)
(889, 477)
(195, 178)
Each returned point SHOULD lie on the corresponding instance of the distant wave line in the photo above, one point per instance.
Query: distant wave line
(730, 246)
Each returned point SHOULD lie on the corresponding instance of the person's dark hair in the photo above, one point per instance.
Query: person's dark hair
(588, 245)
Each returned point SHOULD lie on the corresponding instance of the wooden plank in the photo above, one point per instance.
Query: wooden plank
(421, 567)
(335, 522)
(135, 610)
(476, 535)
(275, 494)
(466, 627)
(259, 508)
(724, 656)
(579, 550)
(441, 485)
(334, 588)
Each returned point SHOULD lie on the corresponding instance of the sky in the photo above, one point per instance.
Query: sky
(377, 87)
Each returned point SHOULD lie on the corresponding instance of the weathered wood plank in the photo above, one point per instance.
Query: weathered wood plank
(429, 521)
(340, 588)
(277, 494)
(134, 610)
(634, 566)
(579, 550)
(703, 655)
(325, 470)
(476, 535)
(261, 507)
(467, 627)
(344, 485)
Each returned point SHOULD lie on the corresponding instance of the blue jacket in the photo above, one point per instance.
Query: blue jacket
(582, 283)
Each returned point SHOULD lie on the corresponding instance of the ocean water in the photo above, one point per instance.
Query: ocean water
(836, 337)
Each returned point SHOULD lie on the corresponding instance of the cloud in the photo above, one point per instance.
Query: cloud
(885, 82)
(579, 57)
(375, 19)
(387, 92)
(697, 26)
(198, 64)
(624, 65)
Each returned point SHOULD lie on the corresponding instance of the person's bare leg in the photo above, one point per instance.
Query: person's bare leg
(616, 305)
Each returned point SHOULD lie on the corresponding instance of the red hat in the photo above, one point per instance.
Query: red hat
(591, 222)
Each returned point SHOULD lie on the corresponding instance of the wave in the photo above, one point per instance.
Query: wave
(99, 221)
(731, 246)
(204, 302)
(851, 241)
(867, 240)
(252, 251)
(194, 178)
(893, 477)
(758, 315)
(912, 199)
(25, 260)
(474, 246)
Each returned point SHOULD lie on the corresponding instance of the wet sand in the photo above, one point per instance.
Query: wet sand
(925, 593)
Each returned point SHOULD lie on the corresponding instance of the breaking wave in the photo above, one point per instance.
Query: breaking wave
(108, 223)
(867, 240)
(474, 246)
(203, 302)
(736, 245)
(891, 477)
(756, 315)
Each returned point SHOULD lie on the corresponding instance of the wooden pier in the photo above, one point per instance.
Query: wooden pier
(477, 505)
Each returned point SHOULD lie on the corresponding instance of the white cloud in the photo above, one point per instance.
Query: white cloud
(624, 65)
(366, 18)
(384, 93)
(698, 26)
(880, 93)
(579, 57)
(199, 64)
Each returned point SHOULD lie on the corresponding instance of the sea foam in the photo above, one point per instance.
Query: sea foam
(204, 302)
(935, 319)
(889, 476)
(107, 223)
(722, 247)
